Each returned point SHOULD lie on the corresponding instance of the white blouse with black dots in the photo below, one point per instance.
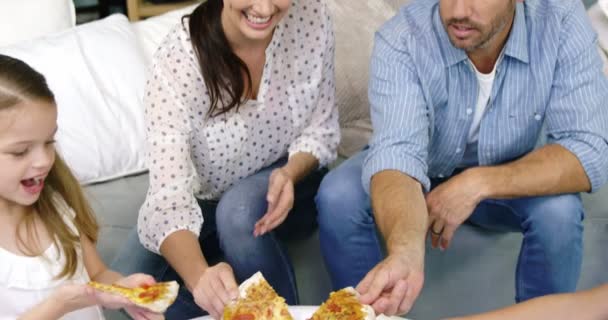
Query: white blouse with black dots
(191, 155)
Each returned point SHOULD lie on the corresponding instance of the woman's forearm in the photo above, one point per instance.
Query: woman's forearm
(183, 252)
(300, 165)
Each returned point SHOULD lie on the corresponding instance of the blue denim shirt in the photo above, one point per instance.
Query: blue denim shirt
(423, 93)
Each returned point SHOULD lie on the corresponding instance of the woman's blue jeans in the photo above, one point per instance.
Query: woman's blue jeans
(227, 234)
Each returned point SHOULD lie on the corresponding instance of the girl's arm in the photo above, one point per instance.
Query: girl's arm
(73, 297)
(69, 298)
(96, 268)
(47, 310)
(584, 305)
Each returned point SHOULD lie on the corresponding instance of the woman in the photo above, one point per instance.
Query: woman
(240, 115)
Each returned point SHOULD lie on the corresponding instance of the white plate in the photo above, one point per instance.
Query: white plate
(302, 313)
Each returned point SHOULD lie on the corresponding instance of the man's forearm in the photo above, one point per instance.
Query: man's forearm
(183, 252)
(400, 212)
(549, 170)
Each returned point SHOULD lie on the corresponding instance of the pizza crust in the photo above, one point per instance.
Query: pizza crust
(344, 304)
(162, 300)
(264, 302)
(254, 279)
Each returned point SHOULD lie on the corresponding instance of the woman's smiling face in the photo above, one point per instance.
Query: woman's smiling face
(252, 20)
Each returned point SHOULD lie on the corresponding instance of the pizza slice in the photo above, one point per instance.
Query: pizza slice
(344, 304)
(156, 298)
(257, 301)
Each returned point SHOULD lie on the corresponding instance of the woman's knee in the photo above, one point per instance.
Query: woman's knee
(240, 208)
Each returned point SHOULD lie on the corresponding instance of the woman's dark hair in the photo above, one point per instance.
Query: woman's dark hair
(222, 69)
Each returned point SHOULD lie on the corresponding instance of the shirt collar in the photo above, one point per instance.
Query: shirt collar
(516, 46)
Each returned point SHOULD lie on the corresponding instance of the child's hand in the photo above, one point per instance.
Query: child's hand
(74, 297)
(133, 281)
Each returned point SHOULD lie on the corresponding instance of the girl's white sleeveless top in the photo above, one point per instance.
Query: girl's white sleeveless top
(27, 281)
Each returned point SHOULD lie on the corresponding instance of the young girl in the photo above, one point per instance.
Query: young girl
(47, 229)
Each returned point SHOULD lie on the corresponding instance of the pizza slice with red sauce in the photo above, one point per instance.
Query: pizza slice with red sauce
(257, 301)
(344, 304)
(156, 298)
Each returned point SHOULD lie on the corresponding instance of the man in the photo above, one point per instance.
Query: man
(459, 92)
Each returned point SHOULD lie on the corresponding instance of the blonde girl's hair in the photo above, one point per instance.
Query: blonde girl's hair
(20, 83)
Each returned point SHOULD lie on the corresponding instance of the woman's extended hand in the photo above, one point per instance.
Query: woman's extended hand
(280, 199)
(215, 289)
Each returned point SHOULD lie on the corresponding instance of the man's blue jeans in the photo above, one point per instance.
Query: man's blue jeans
(227, 234)
(549, 259)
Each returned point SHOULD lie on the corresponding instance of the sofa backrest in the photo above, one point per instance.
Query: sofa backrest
(27, 19)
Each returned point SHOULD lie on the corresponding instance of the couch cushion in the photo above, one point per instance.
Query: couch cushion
(17, 17)
(97, 73)
(355, 23)
(152, 31)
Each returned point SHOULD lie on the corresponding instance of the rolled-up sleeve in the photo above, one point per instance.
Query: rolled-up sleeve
(578, 107)
(400, 116)
(170, 204)
(322, 136)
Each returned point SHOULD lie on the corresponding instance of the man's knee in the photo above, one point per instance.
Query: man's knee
(342, 199)
(558, 219)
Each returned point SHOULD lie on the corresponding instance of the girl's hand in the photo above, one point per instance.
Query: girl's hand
(133, 281)
(280, 201)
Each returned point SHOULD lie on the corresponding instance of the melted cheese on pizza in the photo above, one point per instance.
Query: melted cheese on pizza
(341, 305)
(140, 295)
(260, 302)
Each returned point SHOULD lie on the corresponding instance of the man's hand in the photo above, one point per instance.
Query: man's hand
(393, 285)
(280, 199)
(215, 289)
(450, 204)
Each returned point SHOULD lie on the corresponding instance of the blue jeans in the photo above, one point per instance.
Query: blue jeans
(227, 234)
(550, 256)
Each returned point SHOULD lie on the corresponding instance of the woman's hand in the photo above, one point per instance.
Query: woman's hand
(215, 289)
(280, 199)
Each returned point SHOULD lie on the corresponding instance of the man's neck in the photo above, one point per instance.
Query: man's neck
(485, 58)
